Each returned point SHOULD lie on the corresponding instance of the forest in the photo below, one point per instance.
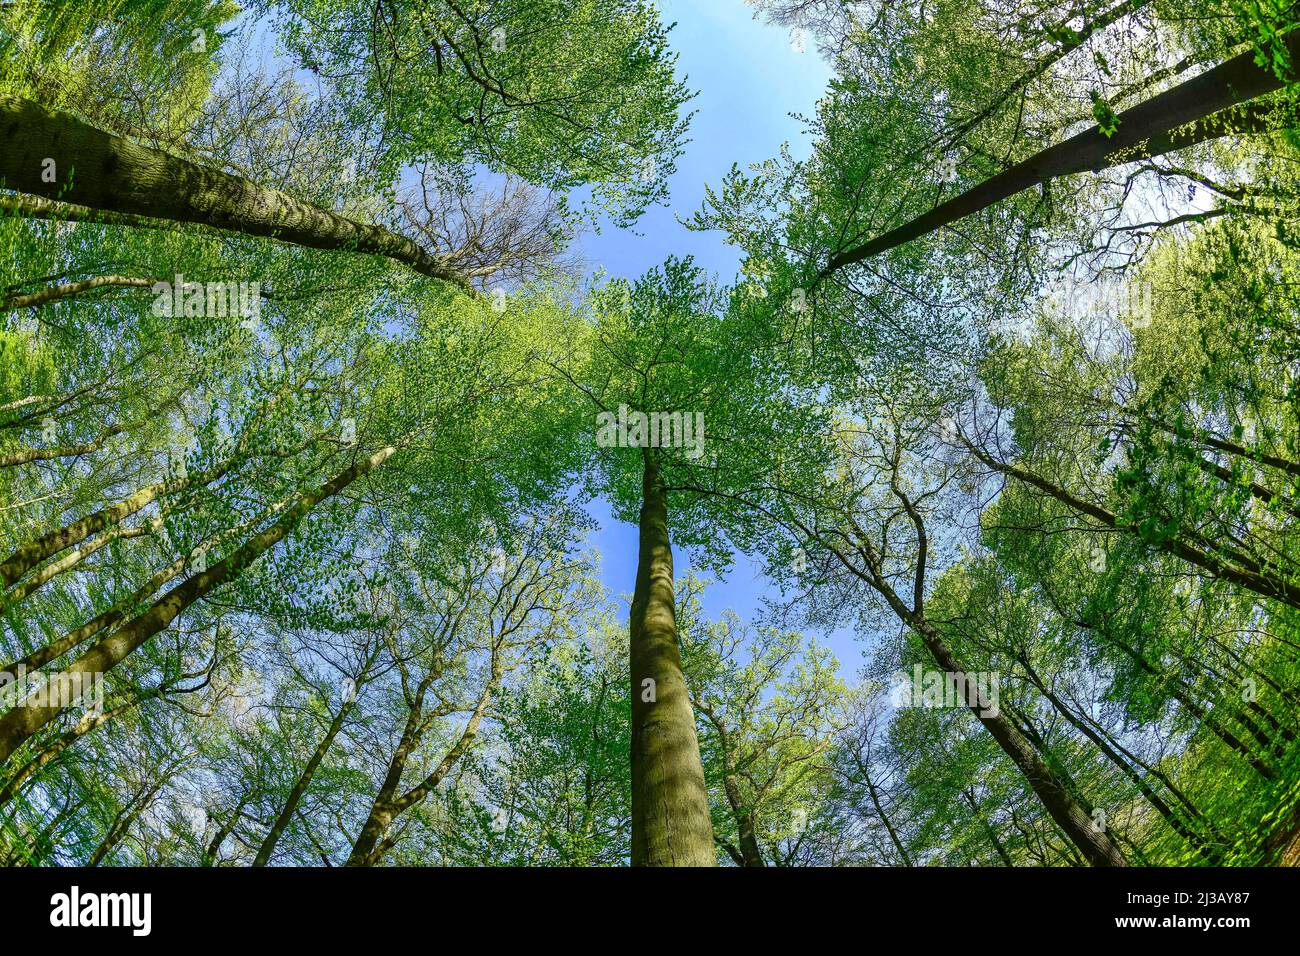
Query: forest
(353, 514)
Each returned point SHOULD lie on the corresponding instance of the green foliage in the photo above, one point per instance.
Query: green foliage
(364, 493)
(561, 93)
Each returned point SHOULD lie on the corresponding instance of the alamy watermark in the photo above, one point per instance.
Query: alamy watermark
(212, 299)
(1098, 300)
(75, 908)
(62, 689)
(922, 688)
(633, 429)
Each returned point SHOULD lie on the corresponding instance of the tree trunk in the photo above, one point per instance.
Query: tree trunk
(300, 787)
(122, 825)
(26, 588)
(1179, 692)
(1170, 816)
(28, 555)
(381, 810)
(88, 723)
(989, 831)
(1070, 816)
(110, 618)
(106, 172)
(749, 849)
(224, 830)
(670, 806)
(22, 721)
(879, 806)
(67, 290)
(1077, 825)
(119, 611)
(371, 844)
(1151, 128)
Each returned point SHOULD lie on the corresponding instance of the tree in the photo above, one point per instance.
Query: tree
(560, 93)
(766, 726)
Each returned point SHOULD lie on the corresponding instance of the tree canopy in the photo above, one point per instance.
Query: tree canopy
(309, 404)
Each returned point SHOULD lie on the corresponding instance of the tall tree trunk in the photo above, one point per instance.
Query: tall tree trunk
(372, 844)
(989, 831)
(29, 586)
(119, 611)
(61, 743)
(1157, 803)
(31, 553)
(670, 805)
(109, 618)
(1098, 849)
(66, 290)
(749, 848)
(300, 787)
(122, 824)
(106, 172)
(873, 793)
(22, 721)
(746, 837)
(1151, 128)
(224, 830)
(382, 813)
(1178, 690)
(25, 456)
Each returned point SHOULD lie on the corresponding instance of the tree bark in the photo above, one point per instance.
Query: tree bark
(110, 618)
(122, 825)
(989, 831)
(60, 744)
(371, 843)
(1176, 688)
(1096, 846)
(1056, 798)
(25, 456)
(1152, 128)
(224, 830)
(300, 787)
(119, 611)
(22, 721)
(106, 172)
(1171, 817)
(67, 290)
(750, 852)
(670, 806)
(26, 588)
(31, 553)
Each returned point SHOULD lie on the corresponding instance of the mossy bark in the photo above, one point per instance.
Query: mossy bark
(670, 806)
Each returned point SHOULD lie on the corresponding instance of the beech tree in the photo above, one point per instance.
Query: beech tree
(311, 412)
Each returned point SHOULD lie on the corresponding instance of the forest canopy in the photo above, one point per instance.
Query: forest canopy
(315, 417)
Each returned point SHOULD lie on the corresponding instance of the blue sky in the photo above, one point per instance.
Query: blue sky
(749, 80)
